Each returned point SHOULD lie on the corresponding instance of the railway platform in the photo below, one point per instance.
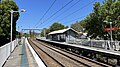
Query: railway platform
(23, 56)
(94, 49)
(104, 52)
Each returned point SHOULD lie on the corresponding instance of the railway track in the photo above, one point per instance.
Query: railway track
(53, 57)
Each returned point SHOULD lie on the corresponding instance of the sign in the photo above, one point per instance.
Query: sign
(114, 28)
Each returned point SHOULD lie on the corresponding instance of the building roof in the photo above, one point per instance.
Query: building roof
(61, 31)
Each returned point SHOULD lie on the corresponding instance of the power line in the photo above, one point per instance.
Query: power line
(75, 19)
(77, 10)
(66, 10)
(47, 11)
(58, 11)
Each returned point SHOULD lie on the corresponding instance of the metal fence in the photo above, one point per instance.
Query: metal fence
(6, 50)
(104, 44)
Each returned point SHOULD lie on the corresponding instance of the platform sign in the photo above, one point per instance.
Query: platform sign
(114, 28)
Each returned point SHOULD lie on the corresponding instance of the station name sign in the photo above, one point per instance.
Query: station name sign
(108, 29)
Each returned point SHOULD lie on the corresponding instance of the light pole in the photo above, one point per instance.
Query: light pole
(111, 39)
(11, 25)
(110, 30)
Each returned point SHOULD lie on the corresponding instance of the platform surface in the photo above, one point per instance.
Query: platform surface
(21, 57)
(111, 52)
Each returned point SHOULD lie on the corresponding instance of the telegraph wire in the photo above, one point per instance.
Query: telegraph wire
(47, 11)
(75, 19)
(66, 10)
(57, 11)
(77, 10)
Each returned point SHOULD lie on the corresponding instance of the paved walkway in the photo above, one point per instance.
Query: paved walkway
(21, 57)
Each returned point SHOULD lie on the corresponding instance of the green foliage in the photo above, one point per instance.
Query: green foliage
(55, 26)
(110, 11)
(43, 32)
(5, 7)
(66, 27)
(79, 26)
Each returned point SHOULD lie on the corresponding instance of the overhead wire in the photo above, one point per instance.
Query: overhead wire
(75, 19)
(77, 10)
(57, 11)
(66, 10)
(46, 11)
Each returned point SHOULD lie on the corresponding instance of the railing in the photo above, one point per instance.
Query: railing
(6, 50)
(104, 44)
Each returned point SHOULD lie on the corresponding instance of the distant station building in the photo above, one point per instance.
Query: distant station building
(63, 35)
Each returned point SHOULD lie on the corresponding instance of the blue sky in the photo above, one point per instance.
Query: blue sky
(36, 8)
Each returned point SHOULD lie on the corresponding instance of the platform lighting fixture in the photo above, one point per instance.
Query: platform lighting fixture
(12, 11)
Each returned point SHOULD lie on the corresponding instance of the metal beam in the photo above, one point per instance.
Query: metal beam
(32, 29)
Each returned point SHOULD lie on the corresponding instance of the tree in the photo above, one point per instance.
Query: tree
(79, 26)
(5, 7)
(56, 26)
(44, 32)
(110, 11)
(94, 22)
